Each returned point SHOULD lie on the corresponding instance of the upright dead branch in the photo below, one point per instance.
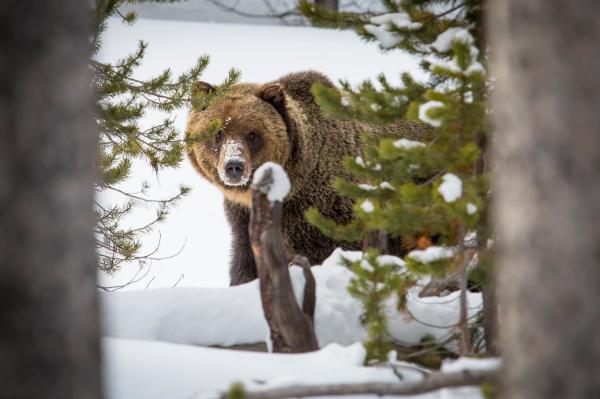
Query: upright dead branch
(291, 329)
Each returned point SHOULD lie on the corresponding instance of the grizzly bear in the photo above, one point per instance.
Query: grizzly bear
(280, 122)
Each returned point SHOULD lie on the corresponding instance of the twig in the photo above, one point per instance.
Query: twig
(433, 382)
(178, 280)
(150, 282)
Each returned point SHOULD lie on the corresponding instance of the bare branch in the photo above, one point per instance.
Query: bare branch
(432, 382)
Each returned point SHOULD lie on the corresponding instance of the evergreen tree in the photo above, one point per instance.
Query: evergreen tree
(122, 99)
(423, 192)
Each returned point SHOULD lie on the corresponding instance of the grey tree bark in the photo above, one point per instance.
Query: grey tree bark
(332, 5)
(547, 211)
(48, 313)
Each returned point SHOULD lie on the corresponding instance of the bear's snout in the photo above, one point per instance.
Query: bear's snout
(234, 170)
(233, 163)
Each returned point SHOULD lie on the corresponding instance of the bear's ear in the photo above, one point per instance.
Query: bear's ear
(199, 88)
(272, 93)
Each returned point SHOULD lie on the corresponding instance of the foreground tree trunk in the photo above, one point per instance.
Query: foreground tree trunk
(548, 195)
(48, 315)
(332, 5)
(291, 328)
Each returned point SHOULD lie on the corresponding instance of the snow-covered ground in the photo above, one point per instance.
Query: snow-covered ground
(233, 316)
(158, 370)
(262, 53)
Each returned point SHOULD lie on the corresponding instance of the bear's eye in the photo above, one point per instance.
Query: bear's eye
(251, 136)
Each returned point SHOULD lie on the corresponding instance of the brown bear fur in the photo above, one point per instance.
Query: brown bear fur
(288, 128)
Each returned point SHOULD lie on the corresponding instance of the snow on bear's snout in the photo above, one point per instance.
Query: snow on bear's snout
(234, 170)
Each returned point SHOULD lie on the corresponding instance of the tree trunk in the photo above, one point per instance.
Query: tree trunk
(329, 4)
(291, 328)
(547, 112)
(48, 313)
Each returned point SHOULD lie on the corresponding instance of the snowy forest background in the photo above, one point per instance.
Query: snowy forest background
(159, 320)
(263, 50)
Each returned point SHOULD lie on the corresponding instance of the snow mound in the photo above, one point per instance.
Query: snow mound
(233, 315)
(281, 183)
(156, 370)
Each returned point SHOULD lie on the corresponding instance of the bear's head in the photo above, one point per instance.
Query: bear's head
(252, 132)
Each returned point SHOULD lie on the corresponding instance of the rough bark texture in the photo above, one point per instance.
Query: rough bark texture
(332, 5)
(547, 64)
(290, 327)
(48, 315)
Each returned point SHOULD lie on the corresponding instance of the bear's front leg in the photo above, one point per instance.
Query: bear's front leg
(242, 268)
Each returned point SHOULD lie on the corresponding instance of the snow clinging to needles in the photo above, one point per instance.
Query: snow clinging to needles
(451, 188)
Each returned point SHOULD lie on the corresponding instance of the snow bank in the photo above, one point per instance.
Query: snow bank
(158, 370)
(155, 370)
(197, 316)
(231, 316)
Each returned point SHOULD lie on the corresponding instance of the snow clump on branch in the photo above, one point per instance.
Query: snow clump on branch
(443, 43)
(280, 185)
(424, 108)
(431, 254)
(383, 23)
(451, 188)
(408, 144)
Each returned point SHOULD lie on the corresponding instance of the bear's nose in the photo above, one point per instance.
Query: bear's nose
(234, 170)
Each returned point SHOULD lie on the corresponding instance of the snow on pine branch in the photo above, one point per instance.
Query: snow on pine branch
(424, 115)
(451, 188)
(158, 370)
(443, 43)
(381, 27)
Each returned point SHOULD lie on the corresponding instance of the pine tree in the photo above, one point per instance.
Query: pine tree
(122, 99)
(423, 192)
